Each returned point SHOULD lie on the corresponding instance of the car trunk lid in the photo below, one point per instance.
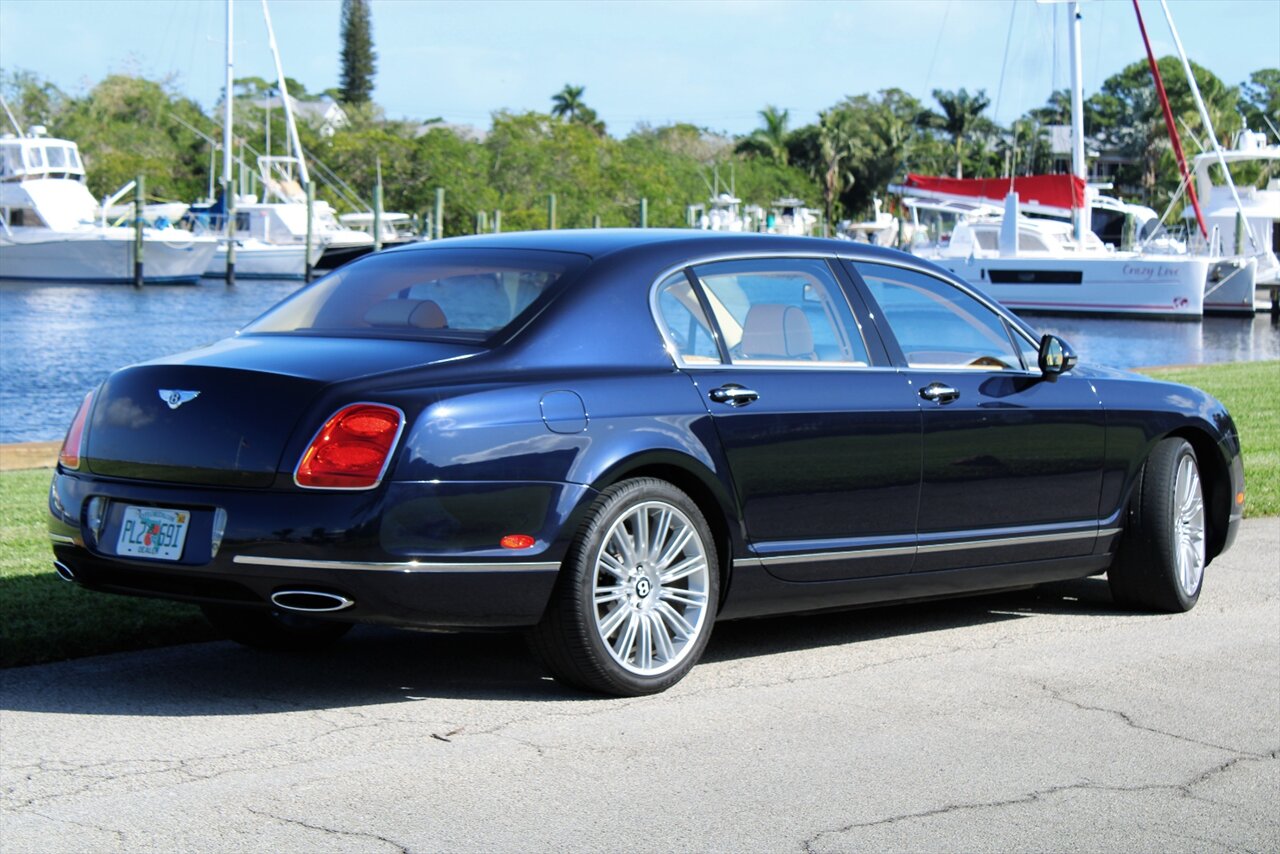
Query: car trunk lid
(223, 415)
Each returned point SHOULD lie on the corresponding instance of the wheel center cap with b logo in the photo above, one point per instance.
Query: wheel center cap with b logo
(643, 587)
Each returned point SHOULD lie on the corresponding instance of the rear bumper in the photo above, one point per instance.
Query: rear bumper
(463, 596)
(412, 554)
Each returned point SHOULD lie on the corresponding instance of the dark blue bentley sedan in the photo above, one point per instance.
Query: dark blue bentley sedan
(616, 438)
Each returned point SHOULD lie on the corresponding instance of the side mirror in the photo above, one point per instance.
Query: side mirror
(1056, 356)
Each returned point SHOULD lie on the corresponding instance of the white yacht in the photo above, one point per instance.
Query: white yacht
(396, 227)
(1039, 265)
(880, 230)
(270, 239)
(282, 183)
(723, 213)
(51, 228)
(1261, 210)
(790, 216)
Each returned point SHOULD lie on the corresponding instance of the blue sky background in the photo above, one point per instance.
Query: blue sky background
(715, 62)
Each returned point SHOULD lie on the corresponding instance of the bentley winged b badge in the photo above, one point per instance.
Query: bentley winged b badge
(175, 397)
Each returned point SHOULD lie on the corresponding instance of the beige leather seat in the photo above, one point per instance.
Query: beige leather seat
(777, 332)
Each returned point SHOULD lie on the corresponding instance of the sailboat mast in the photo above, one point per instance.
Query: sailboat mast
(1208, 125)
(1174, 140)
(226, 101)
(284, 96)
(229, 191)
(1079, 167)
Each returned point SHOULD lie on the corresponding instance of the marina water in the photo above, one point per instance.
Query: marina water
(59, 341)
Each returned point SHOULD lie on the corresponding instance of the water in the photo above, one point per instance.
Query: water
(59, 341)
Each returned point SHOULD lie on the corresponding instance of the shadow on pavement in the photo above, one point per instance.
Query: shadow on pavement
(375, 665)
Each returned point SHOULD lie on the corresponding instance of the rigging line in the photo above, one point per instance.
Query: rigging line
(1056, 42)
(1004, 64)
(928, 77)
(1097, 57)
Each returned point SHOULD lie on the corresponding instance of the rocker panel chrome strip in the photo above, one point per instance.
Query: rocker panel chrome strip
(397, 566)
(933, 548)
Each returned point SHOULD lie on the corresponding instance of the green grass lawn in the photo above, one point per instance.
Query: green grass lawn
(42, 618)
(1248, 390)
(45, 619)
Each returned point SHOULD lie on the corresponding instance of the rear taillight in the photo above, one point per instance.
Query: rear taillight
(352, 449)
(69, 456)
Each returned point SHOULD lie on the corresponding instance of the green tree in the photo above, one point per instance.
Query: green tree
(1261, 100)
(33, 101)
(961, 112)
(769, 141)
(359, 61)
(836, 141)
(567, 103)
(1125, 115)
(125, 128)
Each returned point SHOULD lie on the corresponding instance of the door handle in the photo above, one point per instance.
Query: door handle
(939, 393)
(733, 394)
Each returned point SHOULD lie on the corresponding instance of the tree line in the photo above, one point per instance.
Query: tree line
(127, 125)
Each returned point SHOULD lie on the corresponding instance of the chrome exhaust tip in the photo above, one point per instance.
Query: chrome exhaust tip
(310, 601)
(64, 572)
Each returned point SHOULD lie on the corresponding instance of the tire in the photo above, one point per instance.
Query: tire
(636, 598)
(1161, 560)
(273, 629)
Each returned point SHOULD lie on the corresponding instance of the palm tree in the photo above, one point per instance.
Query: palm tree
(836, 143)
(960, 113)
(769, 141)
(567, 103)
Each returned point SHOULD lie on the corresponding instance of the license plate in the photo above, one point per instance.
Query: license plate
(153, 532)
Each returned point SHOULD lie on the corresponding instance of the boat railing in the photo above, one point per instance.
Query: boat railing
(109, 201)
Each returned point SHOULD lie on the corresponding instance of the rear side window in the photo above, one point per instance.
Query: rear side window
(686, 322)
(782, 312)
(439, 294)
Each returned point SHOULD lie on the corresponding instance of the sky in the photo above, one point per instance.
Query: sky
(714, 63)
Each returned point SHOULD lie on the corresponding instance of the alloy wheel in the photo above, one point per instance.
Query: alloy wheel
(1189, 526)
(650, 588)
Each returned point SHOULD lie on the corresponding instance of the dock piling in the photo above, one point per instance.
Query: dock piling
(311, 206)
(139, 223)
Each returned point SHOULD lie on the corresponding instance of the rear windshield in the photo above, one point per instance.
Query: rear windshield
(439, 294)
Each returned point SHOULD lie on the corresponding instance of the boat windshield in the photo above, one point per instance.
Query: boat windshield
(437, 294)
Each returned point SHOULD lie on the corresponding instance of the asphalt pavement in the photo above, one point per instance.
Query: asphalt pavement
(1042, 720)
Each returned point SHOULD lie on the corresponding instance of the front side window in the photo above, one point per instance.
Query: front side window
(938, 325)
(438, 294)
(782, 312)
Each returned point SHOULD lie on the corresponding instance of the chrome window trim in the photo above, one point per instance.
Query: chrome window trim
(674, 352)
(409, 566)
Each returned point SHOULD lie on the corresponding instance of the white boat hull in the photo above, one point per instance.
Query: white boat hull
(1161, 287)
(255, 260)
(1231, 285)
(102, 256)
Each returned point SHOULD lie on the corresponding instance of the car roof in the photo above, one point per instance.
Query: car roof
(598, 243)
